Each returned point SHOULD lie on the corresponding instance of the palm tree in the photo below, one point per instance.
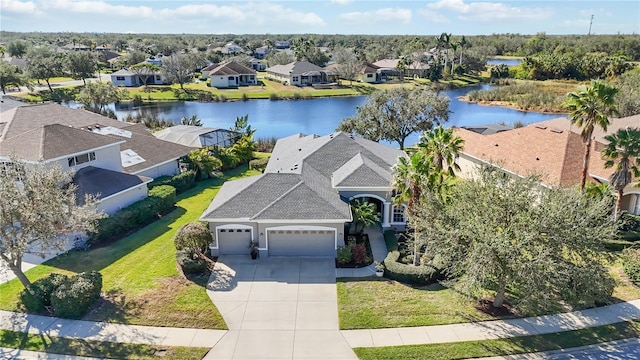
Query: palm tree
(454, 47)
(364, 214)
(463, 45)
(443, 146)
(623, 151)
(589, 107)
(192, 121)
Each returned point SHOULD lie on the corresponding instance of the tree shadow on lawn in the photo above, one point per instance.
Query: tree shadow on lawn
(100, 257)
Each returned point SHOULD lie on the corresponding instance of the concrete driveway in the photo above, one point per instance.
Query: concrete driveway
(277, 308)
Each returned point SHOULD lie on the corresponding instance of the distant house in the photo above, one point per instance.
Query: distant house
(232, 74)
(389, 67)
(22, 63)
(257, 65)
(370, 74)
(197, 136)
(298, 73)
(125, 77)
(206, 70)
(282, 44)
(229, 49)
(155, 60)
(113, 160)
(261, 52)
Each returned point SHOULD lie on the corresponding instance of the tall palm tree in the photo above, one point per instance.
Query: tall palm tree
(589, 107)
(463, 45)
(443, 146)
(454, 47)
(623, 151)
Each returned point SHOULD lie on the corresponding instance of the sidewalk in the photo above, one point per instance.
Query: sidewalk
(497, 329)
(7, 353)
(100, 331)
(620, 349)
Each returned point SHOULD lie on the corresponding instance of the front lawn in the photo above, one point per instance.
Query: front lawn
(384, 303)
(141, 283)
(502, 347)
(102, 349)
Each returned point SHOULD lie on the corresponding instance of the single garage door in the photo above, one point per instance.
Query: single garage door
(234, 241)
(302, 243)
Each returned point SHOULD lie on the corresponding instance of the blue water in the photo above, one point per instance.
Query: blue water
(319, 116)
(508, 62)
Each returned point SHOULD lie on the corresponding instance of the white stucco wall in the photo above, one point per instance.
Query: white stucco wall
(113, 204)
(220, 81)
(170, 168)
(106, 158)
(128, 80)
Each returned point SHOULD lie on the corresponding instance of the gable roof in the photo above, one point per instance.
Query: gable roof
(297, 182)
(231, 68)
(35, 118)
(103, 183)
(295, 68)
(554, 154)
(53, 141)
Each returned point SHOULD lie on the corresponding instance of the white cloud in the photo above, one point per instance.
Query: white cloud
(433, 16)
(376, 16)
(18, 7)
(99, 8)
(341, 2)
(490, 11)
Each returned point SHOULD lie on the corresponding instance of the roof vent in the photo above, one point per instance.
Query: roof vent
(556, 131)
(300, 149)
(97, 126)
(89, 128)
(537, 158)
(496, 144)
(541, 127)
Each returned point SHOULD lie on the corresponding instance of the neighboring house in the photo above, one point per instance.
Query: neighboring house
(555, 153)
(125, 77)
(155, 60)
(232, 74)
(370, 74)
(299, 73)
(299, 206)
(257, 65)
(332, 71)
(261, 52)
(282, 44)
(206, 70)
(197, 136)
(22, 63)
(112, 159)
(229, 49)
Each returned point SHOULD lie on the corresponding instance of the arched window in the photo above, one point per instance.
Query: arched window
(398, 214)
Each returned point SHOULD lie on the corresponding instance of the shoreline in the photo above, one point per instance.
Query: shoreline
(506, 104)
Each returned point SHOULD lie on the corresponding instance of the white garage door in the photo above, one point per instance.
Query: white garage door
(234, 241)
(302, 243)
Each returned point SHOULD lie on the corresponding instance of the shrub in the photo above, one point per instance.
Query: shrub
(391, 240)
(631, 264)
(193, 238)
(38, 295)
(160, 201)
(359, 253)
(344, 254)
(258, 164)
(274, 96)
(137, 100)
(616, 245)
(408, 273)
(629, 222)
(182, 182)
(190, 264)
(73, 298)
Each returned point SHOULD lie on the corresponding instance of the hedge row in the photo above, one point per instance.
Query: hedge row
(391, 240)
(395, 270)
(182, 182)
(631, 264)
(160, 201)
(258, 164)
(68, 297)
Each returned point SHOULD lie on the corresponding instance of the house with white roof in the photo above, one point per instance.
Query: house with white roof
(299, 206)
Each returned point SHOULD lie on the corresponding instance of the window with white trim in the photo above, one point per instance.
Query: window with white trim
(398, 213)
(81, 159)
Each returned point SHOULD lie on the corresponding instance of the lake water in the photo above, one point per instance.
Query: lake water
(318, 116)
(508, 62)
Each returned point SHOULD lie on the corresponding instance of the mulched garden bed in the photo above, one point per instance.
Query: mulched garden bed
(357, 239)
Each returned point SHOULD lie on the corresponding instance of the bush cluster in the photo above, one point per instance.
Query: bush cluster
(68, 297)
(182, 182)
(189, 263)
(258, 164)
(160, 201)
(424, 274)
(631, 264)
(192, 241)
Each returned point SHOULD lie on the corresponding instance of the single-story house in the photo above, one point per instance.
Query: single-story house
(197, 136)
(112, 159)
(125, 77)
(261, 52)
(298, 73)
(370, 74)
(232, 74)
(390, 67)
(206, 70)
(300, 206)
(551, 149)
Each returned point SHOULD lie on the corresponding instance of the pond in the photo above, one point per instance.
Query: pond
(280, 118)
(508, 62)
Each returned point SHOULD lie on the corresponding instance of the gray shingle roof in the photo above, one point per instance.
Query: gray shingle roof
(295, 68)
(361, 171)
(103, 183)
(231, 68)
(21, 120)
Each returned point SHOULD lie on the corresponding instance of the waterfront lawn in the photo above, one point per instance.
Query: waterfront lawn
(101, 349)
(141, 282)
(382, 303)
(502, 347)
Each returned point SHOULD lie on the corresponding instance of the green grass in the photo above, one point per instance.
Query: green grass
(383, 303)
(518, 345)
(141, 282)
(101, 349)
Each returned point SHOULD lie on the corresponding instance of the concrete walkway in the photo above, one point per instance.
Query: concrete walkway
(497, 329)
(87, 330)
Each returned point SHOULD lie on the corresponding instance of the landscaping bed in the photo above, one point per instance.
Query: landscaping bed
(141, 282)
(349, 249)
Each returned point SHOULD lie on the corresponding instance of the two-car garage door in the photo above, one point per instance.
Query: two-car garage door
(302, 242)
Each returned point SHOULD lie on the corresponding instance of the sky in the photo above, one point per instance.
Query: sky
(459, 17)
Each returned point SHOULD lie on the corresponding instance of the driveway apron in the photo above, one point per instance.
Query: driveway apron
(277, 308)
